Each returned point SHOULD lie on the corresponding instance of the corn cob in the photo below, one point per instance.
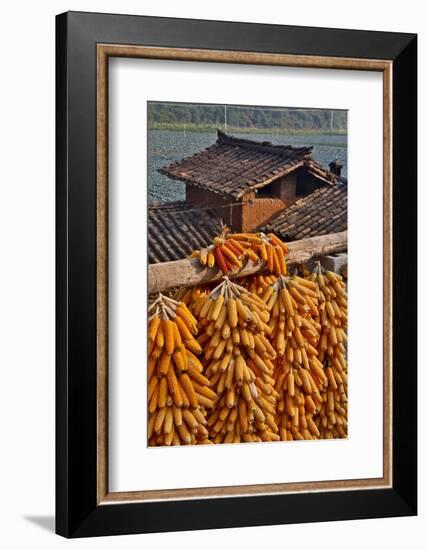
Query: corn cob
(189, 296)
(238, 361)
(226, 255)
(178, 393)
(229, 251)
(257, 284)
(261, 247)
(332, 418)
(274, 359)
(298, 374)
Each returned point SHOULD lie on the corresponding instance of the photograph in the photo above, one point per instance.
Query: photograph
(247, 248)
(197, 353)
(212, 308)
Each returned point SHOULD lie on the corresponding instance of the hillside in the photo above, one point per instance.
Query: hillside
(170, 115)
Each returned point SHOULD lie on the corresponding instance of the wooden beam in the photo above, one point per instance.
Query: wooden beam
(184, 273)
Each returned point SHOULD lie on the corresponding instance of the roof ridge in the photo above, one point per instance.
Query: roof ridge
(165, 205)
(264, 146)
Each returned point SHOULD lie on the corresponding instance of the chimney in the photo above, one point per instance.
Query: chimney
(335, 167)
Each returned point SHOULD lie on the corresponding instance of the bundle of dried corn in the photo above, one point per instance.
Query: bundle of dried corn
(299, 375)
(332, 418)
(230, 251)
(226, 254)
(178, 392)
(266, 248)
(238, 361)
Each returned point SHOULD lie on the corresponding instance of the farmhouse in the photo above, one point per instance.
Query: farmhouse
(243, 183)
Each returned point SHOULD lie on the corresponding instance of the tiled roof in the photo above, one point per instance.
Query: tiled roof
(175, 229)
(232, 166)
(323, 211)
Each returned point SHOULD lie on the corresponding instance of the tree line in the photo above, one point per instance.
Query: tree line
(245, 117)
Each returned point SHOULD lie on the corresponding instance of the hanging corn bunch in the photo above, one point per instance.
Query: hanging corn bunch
(238, 361)
(178, 392)
(299, 375)
(266, 248)
(226, 254)
(332, 417)
(230, 251)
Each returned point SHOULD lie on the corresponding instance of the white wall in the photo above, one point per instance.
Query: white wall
(27, 270)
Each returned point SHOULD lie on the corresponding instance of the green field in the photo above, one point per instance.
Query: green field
(193, 127)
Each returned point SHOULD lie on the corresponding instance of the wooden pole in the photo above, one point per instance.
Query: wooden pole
(184, 273)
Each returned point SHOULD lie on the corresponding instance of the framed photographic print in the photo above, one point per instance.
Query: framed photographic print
(236, 269)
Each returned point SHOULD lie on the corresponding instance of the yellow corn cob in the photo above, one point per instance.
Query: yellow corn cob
(171, 391)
